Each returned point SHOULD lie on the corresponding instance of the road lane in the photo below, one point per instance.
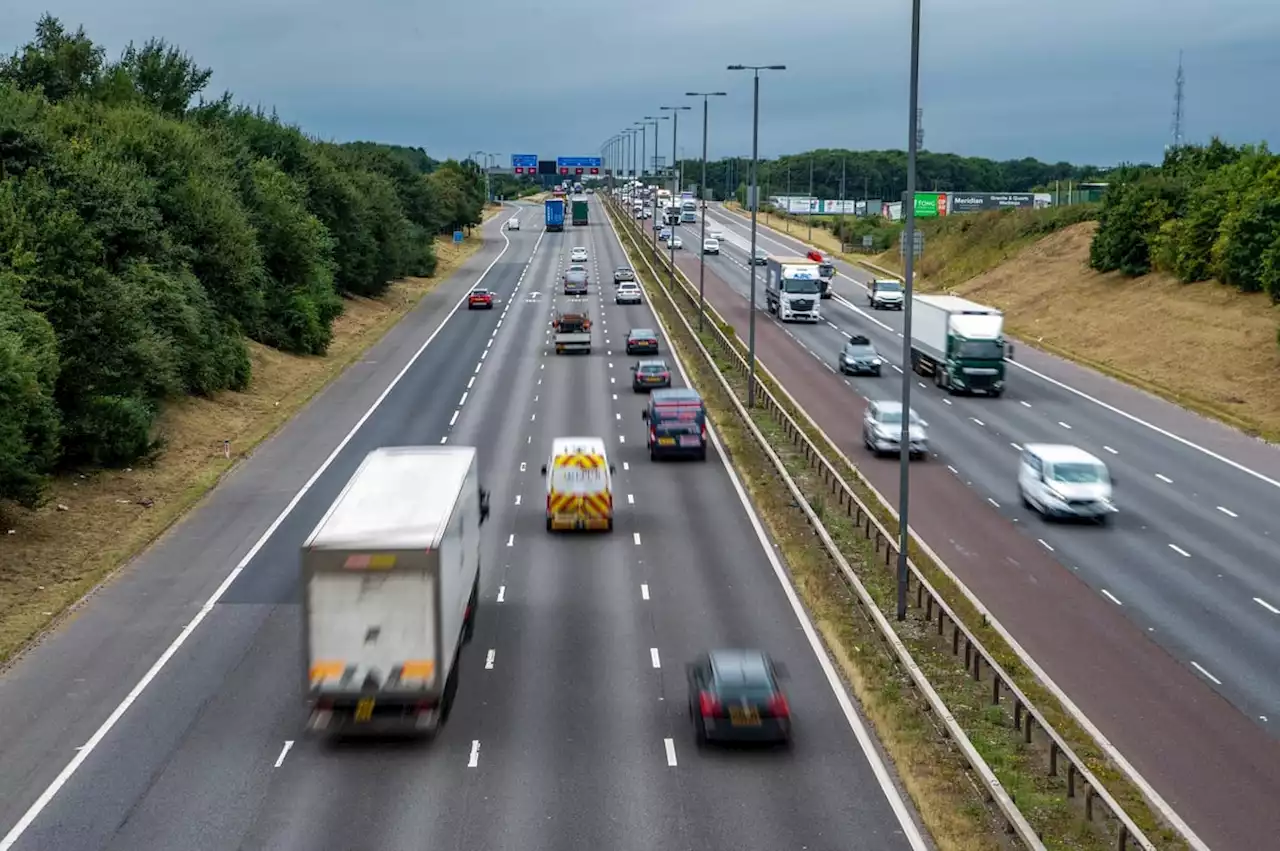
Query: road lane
(1131, 688)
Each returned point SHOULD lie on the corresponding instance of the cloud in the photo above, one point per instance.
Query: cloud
(1086, 81)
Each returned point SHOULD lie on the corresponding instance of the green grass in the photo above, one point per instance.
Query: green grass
(1020, 767)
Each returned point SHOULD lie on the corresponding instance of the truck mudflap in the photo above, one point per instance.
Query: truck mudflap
(372, 715)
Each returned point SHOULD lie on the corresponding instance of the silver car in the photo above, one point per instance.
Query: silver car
(882, 429)
(628, 292)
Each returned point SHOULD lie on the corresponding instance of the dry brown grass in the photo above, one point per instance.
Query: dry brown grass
(1143, 330)
(53, 557)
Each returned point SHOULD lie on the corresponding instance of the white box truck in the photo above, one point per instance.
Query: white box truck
(391, 583)
(793, 289)
(960, 343)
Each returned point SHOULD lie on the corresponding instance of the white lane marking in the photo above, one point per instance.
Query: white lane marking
(502, 593)
(1202, 670)
(631, 499)
(952, 469)
(488, 660)
(644, 593)
(470, 382)
(978, 421)
(622, 438)
(946, 401)
(1266, 605)
(511, 540)
(615, 397)
(1025, 404)
(523, 464)
(993, 502)
(869, 749)
(517, 499)
(453, 419)
(478, 367)
(474, 759)
(16, 832)
(532, 417)
(1227, 511)
(1016, 446)
(1112, 597)
(626, 466)
(617, 416)
(1064, 425)
(484, 354)
(444, 439)
(1162, 477)
(1180, 551)
(653, 657)
(613, 380)
(1045, 544)
(535, 398)
(288, 746)
(636, 536)
(670, 745)
(1109, 449)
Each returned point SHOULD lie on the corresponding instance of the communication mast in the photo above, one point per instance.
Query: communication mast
(1179, 80)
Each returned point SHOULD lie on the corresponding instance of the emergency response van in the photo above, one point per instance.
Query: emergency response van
(579, 485)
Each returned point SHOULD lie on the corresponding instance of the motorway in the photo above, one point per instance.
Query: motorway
(1189, 562)
(157, 720)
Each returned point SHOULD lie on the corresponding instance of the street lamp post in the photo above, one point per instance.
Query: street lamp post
(675, 187)
(702, 185)
(754, 198)
(639, 128)
(811, 210)
(655, 119)
(909, 253)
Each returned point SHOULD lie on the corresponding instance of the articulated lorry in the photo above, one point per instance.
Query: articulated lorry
(391, 584)
(580, 212)
(960, 343)
(793, 289)
(555, 214)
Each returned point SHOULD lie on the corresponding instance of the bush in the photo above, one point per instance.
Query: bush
(143, 239)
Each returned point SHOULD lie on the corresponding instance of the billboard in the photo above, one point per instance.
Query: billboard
(930, 205)
(974, 202)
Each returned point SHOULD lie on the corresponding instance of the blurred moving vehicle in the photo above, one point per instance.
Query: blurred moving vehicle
(885, 294)
(677, 421)
(480, 299)
(735, 695)
(711, 245)
(648, 375)
(513, 223)
(628, 292)
(642, 341)
(579, 485)
(859, 356)
(882, 429)
(390, 590)
(575, 281)
(1063, 481)
(761, 257)
(675, 241)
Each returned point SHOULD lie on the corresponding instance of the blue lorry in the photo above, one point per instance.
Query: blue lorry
(555, 214)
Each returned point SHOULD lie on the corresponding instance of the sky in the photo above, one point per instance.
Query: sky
(1089, 81)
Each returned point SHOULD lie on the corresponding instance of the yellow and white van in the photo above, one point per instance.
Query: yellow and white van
(579, 485)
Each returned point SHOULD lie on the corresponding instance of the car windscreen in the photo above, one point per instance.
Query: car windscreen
(860, 351)
(887, 287)
(1082, 473)
(642, 334)
(652, 368)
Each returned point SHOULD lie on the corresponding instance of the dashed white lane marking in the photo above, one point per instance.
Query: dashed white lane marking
(1016, 446)
(978, 421)
(517, 499)
(488, 660)
(474, 759)
(1202, 670)
(524, 464)
(670, 745)
(631, 499)
(622, 438)
(470, 382)
(1109, 449)
(993, 502)
(952, 469)
(1162, 477)
(615, 397)
(1112, 597)
(1064, 425)
(1227, 511)
(617, 416)
(502, 593)
(532, 417)
(946, 401)
(288, 745)
(1045, 544)
(644, 593)
(653, 657)
(626, 466)
(511, 540)
(1025, 404)
(444, 439)
(636, 537)
(1180, 551)
(453, 419)
(478, 368)
(1266, 605)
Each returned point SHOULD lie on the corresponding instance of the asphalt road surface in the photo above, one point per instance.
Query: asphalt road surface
(1189, 562)
(570, 728)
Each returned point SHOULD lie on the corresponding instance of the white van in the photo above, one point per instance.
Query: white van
(1058, 480)
(513, 223)
(579, 485)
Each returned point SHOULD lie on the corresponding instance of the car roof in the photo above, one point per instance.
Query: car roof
(628, 268)
(642, 332)
(657, 362)
(628, 285)
(859, 340)
(740, 667)
(676, 395)
(890, 406)
(573, 445)
(1062, 453)
(479, 289)
(579, 248)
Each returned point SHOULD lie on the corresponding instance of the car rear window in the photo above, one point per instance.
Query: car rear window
(654, 368)
(677, 412)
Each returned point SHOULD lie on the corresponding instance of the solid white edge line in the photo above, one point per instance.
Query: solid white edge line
(15, 833)
(896, 802)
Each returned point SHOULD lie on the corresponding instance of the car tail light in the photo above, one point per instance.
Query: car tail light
(704, 431)
(778, 707)
(708, 704)
(666, 375)
(548, 503)
(653, 434)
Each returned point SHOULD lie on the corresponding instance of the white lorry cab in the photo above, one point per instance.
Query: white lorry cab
(793, 289)
(579, 485)
(391, 584)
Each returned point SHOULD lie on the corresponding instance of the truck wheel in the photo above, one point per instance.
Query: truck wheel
(469, 631)
(450, 692)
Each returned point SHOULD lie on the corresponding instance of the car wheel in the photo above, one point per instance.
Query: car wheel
(702, 456)
(877, 372)
(1026, 503)
(700, 733)
(548, 524)
(653, 455)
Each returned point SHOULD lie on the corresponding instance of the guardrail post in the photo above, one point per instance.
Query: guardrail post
(995, 690)
(1053, 759)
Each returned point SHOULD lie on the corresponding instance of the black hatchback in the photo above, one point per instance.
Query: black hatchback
(642, 341)
(734, 696)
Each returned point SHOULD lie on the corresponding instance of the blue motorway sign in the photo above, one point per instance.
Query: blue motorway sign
(524, 161)
(577, 162)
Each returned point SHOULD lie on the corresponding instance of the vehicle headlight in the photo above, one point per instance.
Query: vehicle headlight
(875, 361)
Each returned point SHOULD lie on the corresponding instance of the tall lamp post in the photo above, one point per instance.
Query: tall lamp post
(909, 254)
(654, 119)
(702, 187)
(754, 198)
(637, 130)
(675, 185)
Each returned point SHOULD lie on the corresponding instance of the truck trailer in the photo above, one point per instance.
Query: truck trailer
(391, 584)
(960, 343)
(580, 217)
(793, 289)
(555, 214)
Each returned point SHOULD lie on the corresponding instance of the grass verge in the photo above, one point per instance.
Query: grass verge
(96, 521)
(1020, 766)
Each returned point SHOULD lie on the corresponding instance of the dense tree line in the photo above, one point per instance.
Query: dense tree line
(144, 239)
(881, 174)
(1210, 211)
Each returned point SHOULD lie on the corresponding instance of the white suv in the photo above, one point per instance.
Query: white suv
(578, 255)
(710, 245)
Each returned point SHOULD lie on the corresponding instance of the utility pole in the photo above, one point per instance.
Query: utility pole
(811, 210)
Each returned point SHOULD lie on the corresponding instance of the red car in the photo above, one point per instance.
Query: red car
(480, 298)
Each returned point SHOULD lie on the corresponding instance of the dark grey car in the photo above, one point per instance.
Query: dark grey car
(735, 695)
(859, 357)
(575, 282)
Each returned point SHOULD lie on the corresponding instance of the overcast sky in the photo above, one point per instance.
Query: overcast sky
(1088, 81)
